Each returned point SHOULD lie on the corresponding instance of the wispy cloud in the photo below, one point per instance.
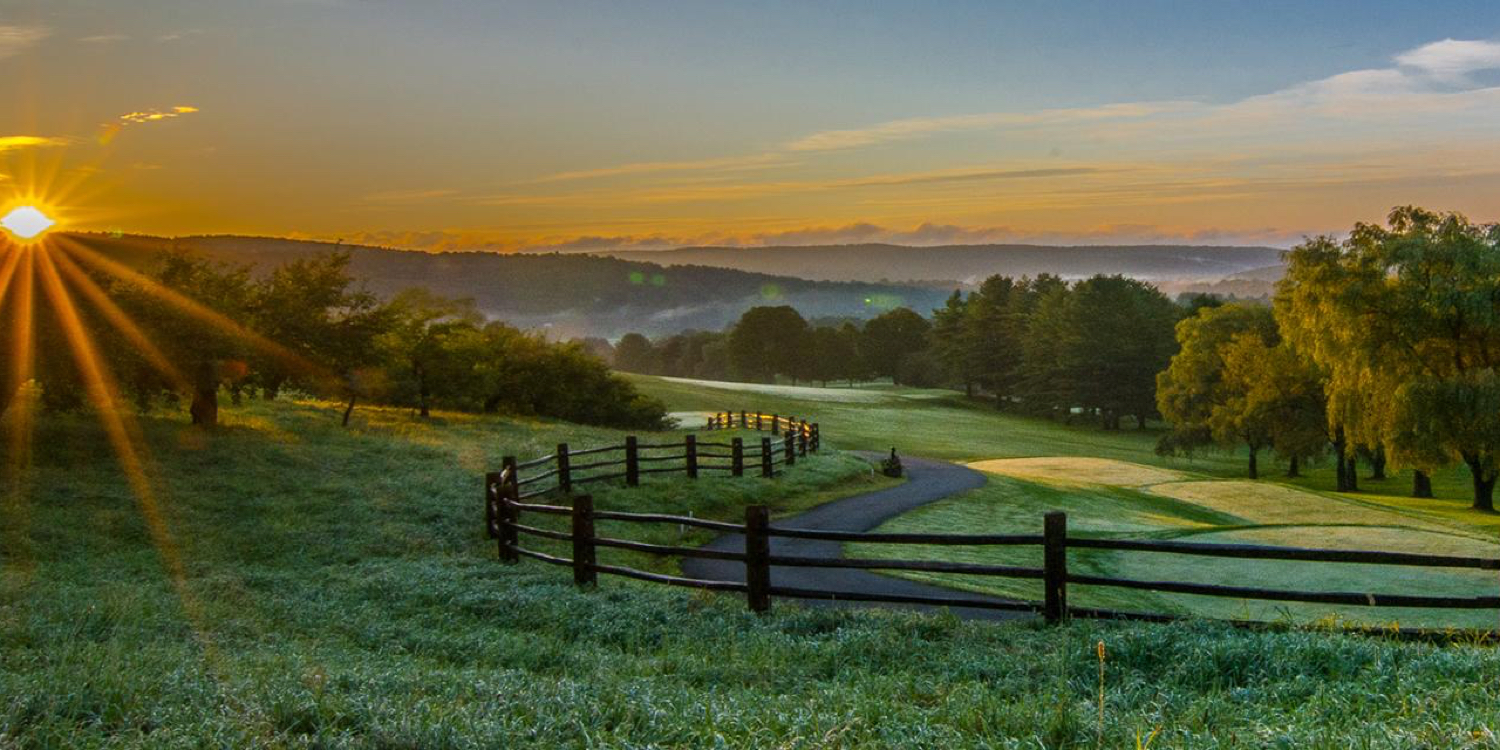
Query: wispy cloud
(916, 127)
(103, 38)
(17, 39)
(1452, 60)
(656, 167)
(12, 142)
(153, 115)
(178, 35)
(110, 130)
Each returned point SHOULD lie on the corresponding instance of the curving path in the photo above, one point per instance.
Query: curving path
(927, 481)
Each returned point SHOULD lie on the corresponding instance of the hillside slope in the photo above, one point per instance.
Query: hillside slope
(334, 588)
(566, 295)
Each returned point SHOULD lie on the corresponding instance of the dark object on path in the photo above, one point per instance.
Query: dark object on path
(891, 467)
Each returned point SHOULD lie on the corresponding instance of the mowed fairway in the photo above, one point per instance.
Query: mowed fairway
(1113, 483)
(1129, 501)
(923, 422)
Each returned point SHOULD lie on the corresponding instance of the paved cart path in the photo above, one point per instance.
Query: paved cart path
(927, 481)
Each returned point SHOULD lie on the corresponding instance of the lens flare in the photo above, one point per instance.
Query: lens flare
(27, 222)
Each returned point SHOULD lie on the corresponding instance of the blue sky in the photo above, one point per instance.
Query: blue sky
(506, 124)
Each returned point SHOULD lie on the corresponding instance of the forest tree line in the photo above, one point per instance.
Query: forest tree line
(1040, 346)
(194, 329)
(1381, 347)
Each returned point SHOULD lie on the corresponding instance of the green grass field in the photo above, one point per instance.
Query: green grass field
(1113, 483)
(313, 587)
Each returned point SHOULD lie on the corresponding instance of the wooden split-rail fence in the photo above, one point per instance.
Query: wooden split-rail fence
(559, 472)
(506, 511)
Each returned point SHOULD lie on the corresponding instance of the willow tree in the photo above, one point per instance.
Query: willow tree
(1202, 391)
(1276, 394)
(1406, 320)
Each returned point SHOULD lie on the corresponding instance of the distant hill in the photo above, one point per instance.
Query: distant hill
(1271, 274)
(1255, 283)
(565, 295)
(971, 263)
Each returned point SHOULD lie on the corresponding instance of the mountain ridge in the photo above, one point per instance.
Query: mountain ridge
(967, 264)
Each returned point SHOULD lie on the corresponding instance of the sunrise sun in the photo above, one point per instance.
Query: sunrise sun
(27, 222)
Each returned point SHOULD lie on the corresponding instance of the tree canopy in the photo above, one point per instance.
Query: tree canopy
(1405, 319)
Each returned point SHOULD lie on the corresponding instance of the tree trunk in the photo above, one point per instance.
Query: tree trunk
(1294, 468)
(205, 406)
(1140, 421)
(1484, 493)
(349, 410)
(234, 393)
(969, 389)
(1484, 484)
(1341, 484)
(1254, 470)
(1421, 484)
(1351, 475)
(272, 389)
(1377, 464)
(423, 407)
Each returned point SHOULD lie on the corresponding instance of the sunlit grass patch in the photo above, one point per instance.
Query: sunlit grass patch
(1079, 470)
(1271, 503)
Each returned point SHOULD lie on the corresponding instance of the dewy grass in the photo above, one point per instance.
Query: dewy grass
(1009, 505)
(344, 596)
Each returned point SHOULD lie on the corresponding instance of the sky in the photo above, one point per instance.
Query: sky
(486, 124)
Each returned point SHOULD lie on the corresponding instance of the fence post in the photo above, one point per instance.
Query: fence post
(817, 440)
(492, 504)
(564, 472)
(737, 460)
(506, 493)
(759, 423)
(632, 462)
(775, 424)
(744, 420)
(790, 449)
(1055, 566)
(758, 557)
(802, 443)
(583, 541)
(765, 457)
(690, 452)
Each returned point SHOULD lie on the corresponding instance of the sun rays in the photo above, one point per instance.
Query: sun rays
(63, 310)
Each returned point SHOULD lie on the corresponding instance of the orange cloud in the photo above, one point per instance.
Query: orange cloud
(108, 131)
(11, 142)
(156, 114)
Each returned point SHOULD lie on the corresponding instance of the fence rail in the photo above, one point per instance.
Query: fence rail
(504, 509)
(794, 439)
